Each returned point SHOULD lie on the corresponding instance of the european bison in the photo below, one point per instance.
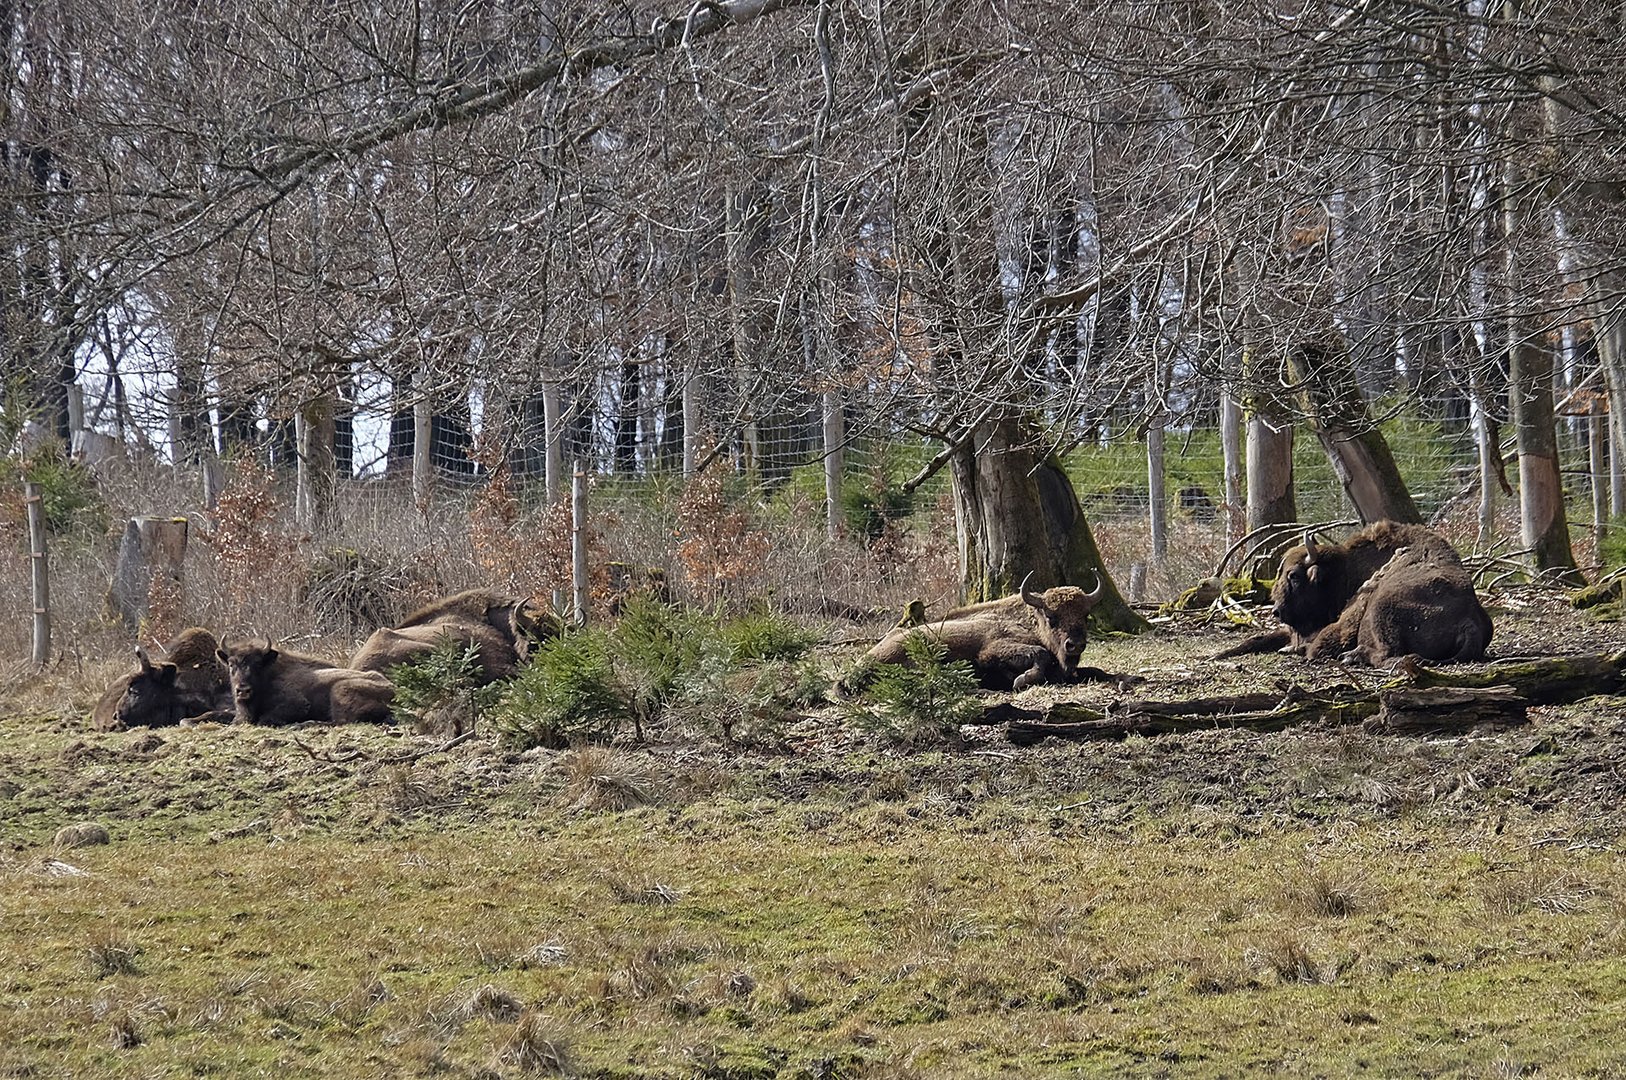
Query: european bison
(1389, 591)
(189, 684)
(1014, 642)
(500, 628)
(275, 687)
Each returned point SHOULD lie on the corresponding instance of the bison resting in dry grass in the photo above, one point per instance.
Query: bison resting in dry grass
(277, 687)
(499, 628)
(188, 684)
(1389, 591)
(1013, 642)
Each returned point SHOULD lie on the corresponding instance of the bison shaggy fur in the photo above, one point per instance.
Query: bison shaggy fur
(275, 687)
(1013, 642)
(499, 628)
(188, 684)
(1389, 591)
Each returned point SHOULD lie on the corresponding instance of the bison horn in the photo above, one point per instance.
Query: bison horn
(1095, 594)
(1309, 546)
(142, 658)
(1028, 595)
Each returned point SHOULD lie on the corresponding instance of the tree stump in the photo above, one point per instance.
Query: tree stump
(151, 546)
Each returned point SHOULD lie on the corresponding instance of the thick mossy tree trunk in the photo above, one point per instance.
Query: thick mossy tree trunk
(1358, 452)
(1015, 514)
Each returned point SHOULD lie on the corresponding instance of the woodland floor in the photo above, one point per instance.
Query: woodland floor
(1314, 902)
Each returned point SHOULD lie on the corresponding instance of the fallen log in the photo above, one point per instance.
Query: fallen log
(1444, 710)
(1418, 700)
(1547, 680)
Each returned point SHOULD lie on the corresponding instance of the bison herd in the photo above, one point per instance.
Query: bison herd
(254, 682)
(1387, 592)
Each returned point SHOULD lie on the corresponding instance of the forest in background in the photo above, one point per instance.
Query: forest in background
(384, 277)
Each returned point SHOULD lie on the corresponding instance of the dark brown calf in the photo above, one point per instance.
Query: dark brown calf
(277, 687)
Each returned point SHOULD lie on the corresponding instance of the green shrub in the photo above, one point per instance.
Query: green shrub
(567, 692)
(68, 494)
(441, 691)
(767, 636)
(737, 680)
(748, 703)
(922, 702)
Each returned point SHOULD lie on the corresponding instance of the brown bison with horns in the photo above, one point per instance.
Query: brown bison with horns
(279, 686)
(1013, 642)
(1389, 591)
(188, 685)
(499, 628)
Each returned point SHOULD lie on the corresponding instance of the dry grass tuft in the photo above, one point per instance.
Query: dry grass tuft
(111, 953)
(491, 1003)
(354, 1008)
(403, 790)
(1321, 895)
(537, 1044)
(1516, 892)
(603, 778)
(1290, 961)
(642, 891)
(123, 1031)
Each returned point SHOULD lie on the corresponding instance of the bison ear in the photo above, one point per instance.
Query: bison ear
(1313, 573)
(165, 674)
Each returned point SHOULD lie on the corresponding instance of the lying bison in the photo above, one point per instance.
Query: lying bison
(1014, 642)
(275, 687)
(188, 685)
(1389, 591)
(499, 628)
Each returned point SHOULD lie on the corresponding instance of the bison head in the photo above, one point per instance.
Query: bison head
(1308, 593)
(1062, 614)
(247, 665)
(149, 699)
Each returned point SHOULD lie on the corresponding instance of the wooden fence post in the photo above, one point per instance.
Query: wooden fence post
(42, 576)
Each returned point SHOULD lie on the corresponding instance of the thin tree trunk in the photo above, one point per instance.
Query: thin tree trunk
(553, 442)
(691, 422)
(835, 455)
(1157, 496)
(1230, 422)
(423, 443)
(578, 545)
(317, 469)
(1597, 441)
(1489, 454)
